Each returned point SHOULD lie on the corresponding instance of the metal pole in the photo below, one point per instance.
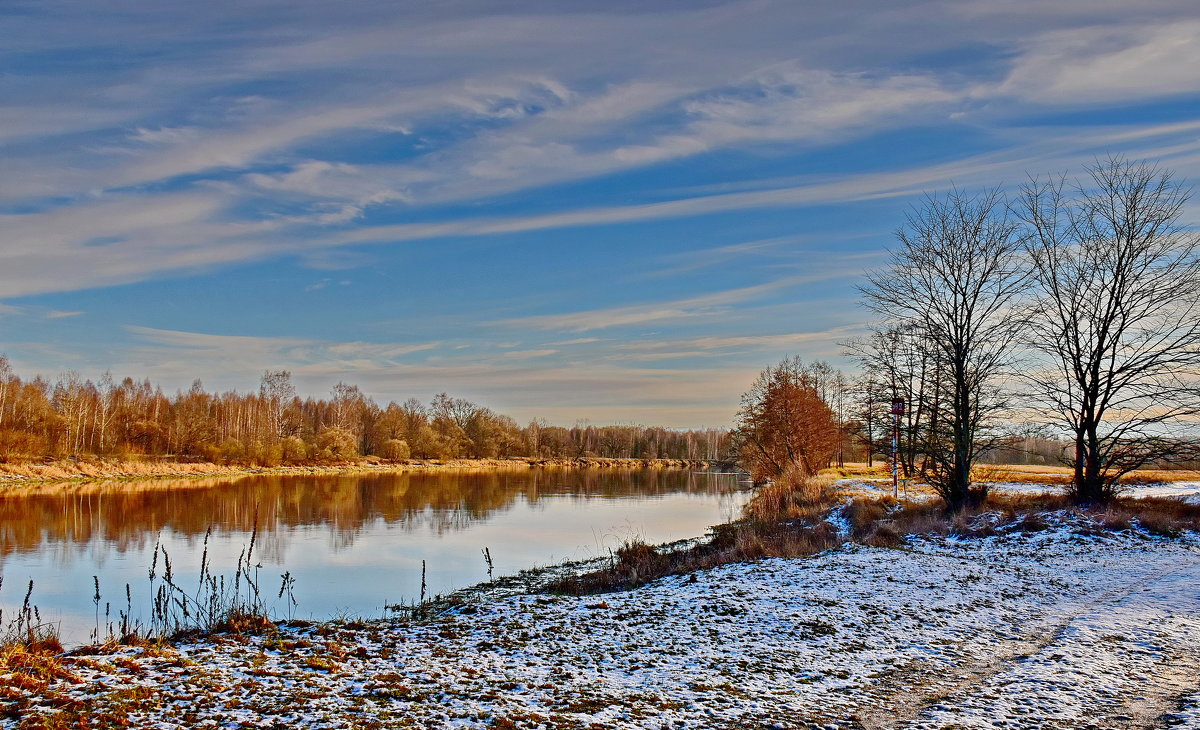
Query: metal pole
(895, 453)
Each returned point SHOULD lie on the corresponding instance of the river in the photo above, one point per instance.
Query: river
(352, 543)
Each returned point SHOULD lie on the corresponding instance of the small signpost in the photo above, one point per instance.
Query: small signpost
(897, 411)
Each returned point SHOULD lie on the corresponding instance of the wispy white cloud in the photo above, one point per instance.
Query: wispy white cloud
(375, 351)
(742, 343)
(12, 310)
(526, 354)
(780, 249)
(121, 239)
(658, 312)
(525, 384)
(791, 103)
(1103, 63)
(199, 138)
(124, 238)
(218, 344)
(204, 350)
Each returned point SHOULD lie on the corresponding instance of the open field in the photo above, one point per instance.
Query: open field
(1054, 620)
(1030, 473)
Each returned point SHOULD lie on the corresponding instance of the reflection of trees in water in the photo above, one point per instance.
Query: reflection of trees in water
(130, 516)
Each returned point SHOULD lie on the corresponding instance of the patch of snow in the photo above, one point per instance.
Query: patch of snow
(833, 640)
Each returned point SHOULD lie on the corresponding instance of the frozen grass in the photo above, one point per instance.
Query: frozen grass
(1063, 627)
(218, 604)
(1023, 613)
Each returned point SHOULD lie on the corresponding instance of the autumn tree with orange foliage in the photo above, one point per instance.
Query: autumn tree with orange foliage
(784, 425)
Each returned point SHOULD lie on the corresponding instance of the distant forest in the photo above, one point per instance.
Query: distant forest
(74, 417)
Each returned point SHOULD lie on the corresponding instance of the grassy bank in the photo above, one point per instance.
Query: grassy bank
(793, 519)
(83, 471)
(944, 634)
(505, 658)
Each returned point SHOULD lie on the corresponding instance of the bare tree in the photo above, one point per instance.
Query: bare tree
(1117, 318)
(954, 279)
(898, 364)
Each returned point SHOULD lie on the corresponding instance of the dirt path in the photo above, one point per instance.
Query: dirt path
(1125, 660)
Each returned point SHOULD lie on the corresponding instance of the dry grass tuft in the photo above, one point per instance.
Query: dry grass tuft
(1021, 473)
(793, 498)
(859, 470)
(32, 666)
(784, 519)
(637, 563)
(1162, 475)
(789, 518)
(244, 622)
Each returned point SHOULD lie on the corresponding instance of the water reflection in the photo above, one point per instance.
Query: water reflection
(127, 514)
(352, 541)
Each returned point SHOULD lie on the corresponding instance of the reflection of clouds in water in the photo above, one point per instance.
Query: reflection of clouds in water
(272, 545)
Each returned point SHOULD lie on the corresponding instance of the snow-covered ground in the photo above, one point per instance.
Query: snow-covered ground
(1186, 491)
(1057, 629)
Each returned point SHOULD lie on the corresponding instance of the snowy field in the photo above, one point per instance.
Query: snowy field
(1186, 491)
(1056, 629)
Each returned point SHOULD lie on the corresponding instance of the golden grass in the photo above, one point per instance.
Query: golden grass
(860, 470)
(787, 519)
(1163, 475)
(107, 474)
(792, 499)
(784, 519)
(1018, 473)
(1034, 474)
(32, 665)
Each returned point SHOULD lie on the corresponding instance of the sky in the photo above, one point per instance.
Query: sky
(613, 211)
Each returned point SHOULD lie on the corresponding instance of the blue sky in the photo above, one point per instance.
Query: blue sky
(615, 211)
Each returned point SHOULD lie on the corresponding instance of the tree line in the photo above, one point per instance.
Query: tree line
(74, 417)
(1070, 310)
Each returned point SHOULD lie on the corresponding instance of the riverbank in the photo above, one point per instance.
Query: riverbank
(83, 471)
(1070, 626)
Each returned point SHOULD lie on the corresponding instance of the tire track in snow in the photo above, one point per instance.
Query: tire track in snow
(1123, 660)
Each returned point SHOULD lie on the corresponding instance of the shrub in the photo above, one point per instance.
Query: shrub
(335, 444)
(293, 450)
(395, 449)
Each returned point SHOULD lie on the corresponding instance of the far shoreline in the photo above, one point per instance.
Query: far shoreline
(37, 476)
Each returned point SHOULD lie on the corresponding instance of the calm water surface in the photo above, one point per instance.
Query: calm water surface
(353, 543)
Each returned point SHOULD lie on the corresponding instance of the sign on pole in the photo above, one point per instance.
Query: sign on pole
(897, 411)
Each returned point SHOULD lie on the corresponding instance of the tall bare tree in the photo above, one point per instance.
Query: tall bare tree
(954, 279)
(1117, 318)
